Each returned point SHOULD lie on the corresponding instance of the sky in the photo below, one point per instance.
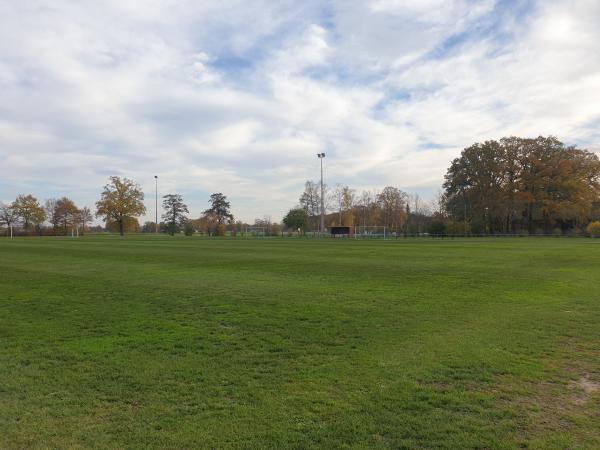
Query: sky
(239, 96)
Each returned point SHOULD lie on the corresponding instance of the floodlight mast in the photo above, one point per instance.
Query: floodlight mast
(156, 204)
(322, 230)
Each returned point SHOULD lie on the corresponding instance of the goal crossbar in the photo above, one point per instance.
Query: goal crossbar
(255, 231)
(370, 232)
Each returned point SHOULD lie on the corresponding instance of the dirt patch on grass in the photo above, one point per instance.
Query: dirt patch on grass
(563, 410)
(589, 386)
(584, 388)
(556, 413)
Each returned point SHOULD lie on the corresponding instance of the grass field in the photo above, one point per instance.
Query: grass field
(158, 342)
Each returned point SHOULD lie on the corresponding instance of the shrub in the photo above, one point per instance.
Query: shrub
(188, 229)
(221, 229)
(437, 228)
(593, 229)
(453, 227)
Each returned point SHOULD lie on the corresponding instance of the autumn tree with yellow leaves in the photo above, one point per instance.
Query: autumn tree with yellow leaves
(122, 201)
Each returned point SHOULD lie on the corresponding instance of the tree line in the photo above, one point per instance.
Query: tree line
(392, 208)
(514, 185)
(519, 185)
(121, 203)
(28, 216)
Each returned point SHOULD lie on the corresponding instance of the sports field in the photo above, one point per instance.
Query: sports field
(159, 342)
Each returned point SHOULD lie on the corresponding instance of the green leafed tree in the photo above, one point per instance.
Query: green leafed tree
(175, 212)
(219, 209)
(121, 202)
(296, 219)
(188, 229)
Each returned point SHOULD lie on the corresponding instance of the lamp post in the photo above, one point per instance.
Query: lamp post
(465, 209)
(156, 204)
(321, 156)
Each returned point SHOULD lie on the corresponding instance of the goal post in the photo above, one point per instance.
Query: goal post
(370, 232)
(255, 232)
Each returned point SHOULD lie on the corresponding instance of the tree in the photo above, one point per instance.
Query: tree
(265, 223)
(122, 199)
(348, 200)
(392, 203)
(66, 213)
(296, 219)
(85, 216)
(522, 184)
(129, 225)
(8, 216)
(206, 223)
(275, 229)
(343, 197)
(236, 227)
(310, 201)
(415, 214)
(29, 210)
(50, 205)
(63, 213)
(175, 211)
(219, 208)
(38, 219)
(337, 199)
(437, 228)
(188, 229)
(367, 210)
(149, 227)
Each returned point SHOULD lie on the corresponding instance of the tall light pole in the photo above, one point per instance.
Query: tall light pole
(465, 213)
(321, 156)
(156, 204)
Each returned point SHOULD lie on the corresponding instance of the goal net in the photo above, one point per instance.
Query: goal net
(255, 232)
(370, 232)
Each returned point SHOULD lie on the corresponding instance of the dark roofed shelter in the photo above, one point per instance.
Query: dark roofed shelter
(340, 231)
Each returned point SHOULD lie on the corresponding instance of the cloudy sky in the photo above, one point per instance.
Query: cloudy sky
(239, 96)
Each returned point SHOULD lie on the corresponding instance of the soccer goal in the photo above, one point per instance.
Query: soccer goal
(370, 232)
(255, 232)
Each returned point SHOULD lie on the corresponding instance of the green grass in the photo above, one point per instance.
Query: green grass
(158, 342)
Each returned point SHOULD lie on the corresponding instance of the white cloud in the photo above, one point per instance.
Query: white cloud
(545, 82)
(301, 53)
(238, 96)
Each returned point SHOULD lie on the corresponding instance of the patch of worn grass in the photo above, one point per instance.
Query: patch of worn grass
(165, 342)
